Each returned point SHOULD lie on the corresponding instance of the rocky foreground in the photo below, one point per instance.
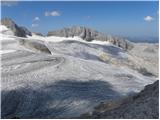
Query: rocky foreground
(144, 105)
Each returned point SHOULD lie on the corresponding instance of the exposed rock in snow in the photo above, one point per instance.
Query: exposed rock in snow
(144, 105)
(36, 46)
(89, 35)
(27, 32)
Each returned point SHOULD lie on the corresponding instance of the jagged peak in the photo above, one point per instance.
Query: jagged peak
(17, 30)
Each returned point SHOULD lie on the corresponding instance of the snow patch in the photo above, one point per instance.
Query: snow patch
(61, 39)
(6, 51)
(3, 28)
(5, 31)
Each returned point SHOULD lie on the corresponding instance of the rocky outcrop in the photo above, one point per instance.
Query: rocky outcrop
(89, 35)
(27, 32)
(17, 30)
(142, 106)
(35, 46)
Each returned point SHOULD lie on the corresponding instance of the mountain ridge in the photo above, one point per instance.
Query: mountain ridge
(89, 35)
(86, 34)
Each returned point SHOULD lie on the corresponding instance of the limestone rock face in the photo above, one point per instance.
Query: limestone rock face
(144, 105)
(89, 35)
(27, 32)
(17, 30)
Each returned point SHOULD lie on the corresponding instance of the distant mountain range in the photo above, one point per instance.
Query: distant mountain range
(147, 39)
(83, 32)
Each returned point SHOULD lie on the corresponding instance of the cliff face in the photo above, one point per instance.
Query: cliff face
(17, 30)
(89, 35)
(144, 105)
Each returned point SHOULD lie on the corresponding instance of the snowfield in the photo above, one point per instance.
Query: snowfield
(70, 81)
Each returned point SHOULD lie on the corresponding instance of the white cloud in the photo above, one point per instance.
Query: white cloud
(36, 19)
(35, 25)
(53, 13)
(148, 18)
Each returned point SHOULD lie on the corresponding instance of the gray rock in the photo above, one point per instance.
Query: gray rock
(27, 32)
(36, 46)
(17, 30)
(89, 35)
(144, 105)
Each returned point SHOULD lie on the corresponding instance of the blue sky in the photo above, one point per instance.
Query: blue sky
(129, 19)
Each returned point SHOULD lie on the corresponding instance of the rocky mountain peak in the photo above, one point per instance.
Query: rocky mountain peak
(17, 30)
(8, 22)
(89, 35)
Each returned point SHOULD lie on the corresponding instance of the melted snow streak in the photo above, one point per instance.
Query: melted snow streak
(67, 83)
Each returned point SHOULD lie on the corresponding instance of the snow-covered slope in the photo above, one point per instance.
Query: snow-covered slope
(71, 81)
(7, 43)
(5, 30)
